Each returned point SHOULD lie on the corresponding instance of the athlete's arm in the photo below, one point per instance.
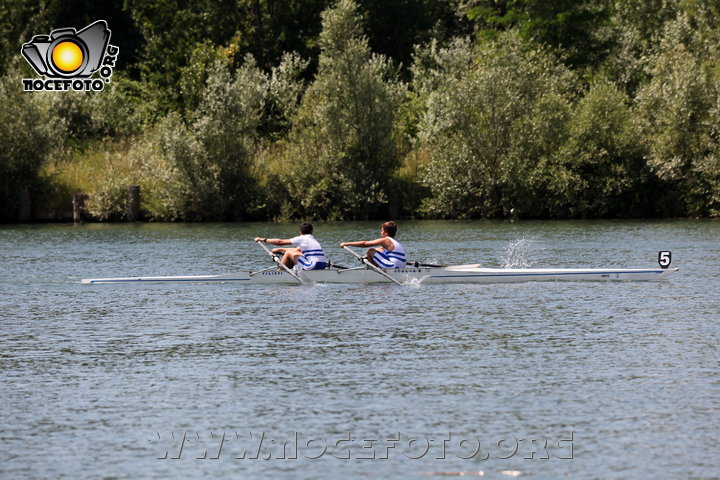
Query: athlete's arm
(274, 241)
(381, 242)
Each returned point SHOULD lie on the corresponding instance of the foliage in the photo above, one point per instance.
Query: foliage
(172, 31)
(395, 28)
(285, 91)
(30, 135)
(109, 202)
(637, 30)
(194, 76)
(243, 109)
(709, 165)
(117, 112)
(490, 125)
(209, 157)
(676, 114)
(343, 145)
(571, 26)
(605, 157)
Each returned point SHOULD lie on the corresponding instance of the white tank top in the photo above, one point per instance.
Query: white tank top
(310, 247)
(397, 255)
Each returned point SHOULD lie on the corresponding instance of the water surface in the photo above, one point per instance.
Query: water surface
(107, 381)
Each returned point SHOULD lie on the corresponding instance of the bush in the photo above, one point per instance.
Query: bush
(31, 132)
(676, 115)
(605, 156)
(491, 127)
(109, 199)
(343, 143)
(709, 165)
(207, 176)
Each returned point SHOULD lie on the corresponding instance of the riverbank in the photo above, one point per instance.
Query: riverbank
(466, 123)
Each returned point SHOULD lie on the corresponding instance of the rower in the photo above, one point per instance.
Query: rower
(389, 254)
(306, 251)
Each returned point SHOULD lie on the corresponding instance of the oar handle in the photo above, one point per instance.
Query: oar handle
(373, 267)
(277, 260)
(274, 257)
(353, 252)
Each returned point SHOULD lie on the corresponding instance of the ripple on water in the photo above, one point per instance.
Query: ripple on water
(99, 380)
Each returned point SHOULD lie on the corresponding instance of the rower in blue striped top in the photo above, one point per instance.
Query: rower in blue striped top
(389, 252)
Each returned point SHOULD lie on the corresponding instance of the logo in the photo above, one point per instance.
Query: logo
(68, 58)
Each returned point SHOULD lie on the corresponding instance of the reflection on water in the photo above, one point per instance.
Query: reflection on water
(103, 381)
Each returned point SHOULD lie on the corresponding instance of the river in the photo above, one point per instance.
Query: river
(542, 380)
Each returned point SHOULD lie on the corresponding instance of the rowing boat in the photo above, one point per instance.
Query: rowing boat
(409, 276)
(416, 275)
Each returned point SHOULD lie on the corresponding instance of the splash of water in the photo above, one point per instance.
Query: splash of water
(518, 253)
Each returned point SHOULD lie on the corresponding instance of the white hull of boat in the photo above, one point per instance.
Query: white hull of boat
(456, 274)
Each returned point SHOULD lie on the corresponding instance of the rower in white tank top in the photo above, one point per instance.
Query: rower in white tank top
(394, 258)
(313, 256)
(305, 252)
(389, 254)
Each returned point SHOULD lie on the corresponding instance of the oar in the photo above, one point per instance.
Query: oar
(277, 260)
(369, 264)
(330, 265)
(417, 264)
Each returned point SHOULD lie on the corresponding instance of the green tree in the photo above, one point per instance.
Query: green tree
(274, 27)
(605, 156)
(171, 31)
(491, 128)
(30, 134)
(205, 170)
(709, 165)
(178, 35)
(343, 143)
(394, 28)
(676, 114)
(637, 28)
(573, 28)
(208, 159)
(20, 21)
